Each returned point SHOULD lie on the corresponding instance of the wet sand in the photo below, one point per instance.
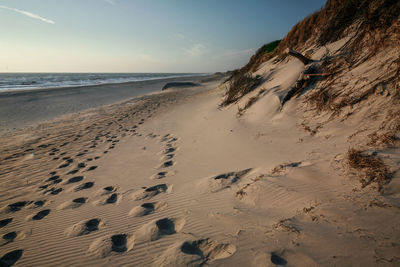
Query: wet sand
(19, 109)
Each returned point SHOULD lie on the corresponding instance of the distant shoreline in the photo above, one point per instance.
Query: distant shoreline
(23, 108)
(103, 82)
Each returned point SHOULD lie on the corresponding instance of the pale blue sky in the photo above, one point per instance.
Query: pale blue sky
(140, 35)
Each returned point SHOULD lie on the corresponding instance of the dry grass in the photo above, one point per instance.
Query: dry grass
(241, 193)
(309, 129)
(330, 99)
(387, 139)
(250, 102)
(389, 132)
(240, 85)
(372, 168)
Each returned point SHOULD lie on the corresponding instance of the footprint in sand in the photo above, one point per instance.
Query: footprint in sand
(64, 144)
(109, 189)
(13, 236)
(91, 168)
(225, 180)
(63, 165)
(80, 200)
(75, 179)
(73, 172)
(169, 150)
(10, 237)
(76, 203)
(154, 230)
(38, 204)
(111, 196)
(40, 215)
(277, 260)
(159, 175)
(195, 253)
(68, 161)
(57, 181)
(164, 138)
(5, 222)
(208, 250)
(17, 206)
(152, 191)
(118, 243)
(42, 187)
(169, 226)
(81, 165)
(85, 227)
(147, 208)
(84, 186)
(168, 157)
(168, 145)
(53, 178)
(112, 199)
(10, 258)
(167, 164)
(173, 139)
(57, 191)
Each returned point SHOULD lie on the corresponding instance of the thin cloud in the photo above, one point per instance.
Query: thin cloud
(180, 36)
(146, 57)
(196, 50)
(111, 2)
(29, 14)
(237, 53)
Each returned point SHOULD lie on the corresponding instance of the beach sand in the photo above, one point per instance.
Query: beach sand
(171, 179)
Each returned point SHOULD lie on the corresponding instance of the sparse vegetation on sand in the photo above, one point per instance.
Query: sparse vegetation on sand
(373, 27)
(371, 167)
(239, 85)
(241, 82)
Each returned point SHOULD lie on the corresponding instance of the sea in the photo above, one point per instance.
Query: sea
(27, 81)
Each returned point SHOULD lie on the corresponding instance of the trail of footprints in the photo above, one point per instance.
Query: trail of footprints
(206, 250)
(167, 156)
(121, 125)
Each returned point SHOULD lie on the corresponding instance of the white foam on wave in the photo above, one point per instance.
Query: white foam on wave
(28, 81)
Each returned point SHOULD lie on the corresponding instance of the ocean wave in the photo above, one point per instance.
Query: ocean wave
(25, 81)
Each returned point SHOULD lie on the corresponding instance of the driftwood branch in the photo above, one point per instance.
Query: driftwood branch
(298, 55)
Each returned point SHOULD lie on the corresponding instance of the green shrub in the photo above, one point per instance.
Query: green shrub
(268, 48)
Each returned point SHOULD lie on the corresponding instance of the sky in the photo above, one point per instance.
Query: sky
(141, 35)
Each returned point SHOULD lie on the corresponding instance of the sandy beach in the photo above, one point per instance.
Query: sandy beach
(291, 160)
(170, 179)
